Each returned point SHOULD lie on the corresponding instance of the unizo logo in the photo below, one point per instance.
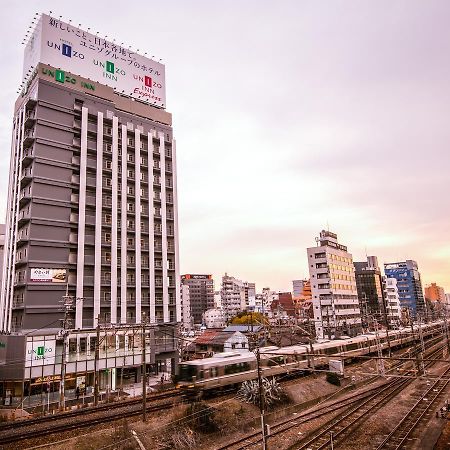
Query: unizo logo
(111, 71)
(66, 50)
(40, 352)
(62, 77)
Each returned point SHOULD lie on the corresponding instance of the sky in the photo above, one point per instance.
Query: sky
(290, 117)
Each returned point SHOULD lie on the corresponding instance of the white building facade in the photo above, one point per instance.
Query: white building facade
(393, 309)
(232, 296)
(186, 318)
(333, 288)
(214, 318)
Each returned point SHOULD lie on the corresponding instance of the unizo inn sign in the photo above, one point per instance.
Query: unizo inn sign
(40, 353)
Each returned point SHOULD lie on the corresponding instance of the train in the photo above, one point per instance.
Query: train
(233, 368)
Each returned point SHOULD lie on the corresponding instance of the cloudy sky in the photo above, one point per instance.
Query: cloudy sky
(290, 117)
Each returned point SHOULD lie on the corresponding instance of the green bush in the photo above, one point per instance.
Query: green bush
(333, 378)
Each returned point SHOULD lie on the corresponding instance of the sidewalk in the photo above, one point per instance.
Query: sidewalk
(153, 383)
(49, 402)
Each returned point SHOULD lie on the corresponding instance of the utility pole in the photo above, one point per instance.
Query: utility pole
(328, 324)
(261, 398)
(380, 350)
(96, 358)
(67, 302)
(422, 345)
(418, 364)
(144, 372)
(446, 331)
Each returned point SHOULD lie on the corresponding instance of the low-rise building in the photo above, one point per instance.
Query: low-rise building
(214, 318)
(283, 306)
(435, 293)
(218, 341)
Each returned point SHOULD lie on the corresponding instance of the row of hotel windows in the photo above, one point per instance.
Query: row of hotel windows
(131, 277)
(131, 208)
(144, 246)
(144, 228)
(342, 268)
(333, 257)
(107, 181)
(145, 297)
(337, 286)
(107, 164)
(145, 261)
(107, 218)
(108, 131)
(107, 147)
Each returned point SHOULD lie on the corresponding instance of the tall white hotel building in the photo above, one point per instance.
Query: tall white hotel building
(333, 288)
(92, 212)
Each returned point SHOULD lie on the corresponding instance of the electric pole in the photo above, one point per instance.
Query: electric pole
(96, 358)
(261, 398)
(446, 331)
(418, 364)
(67, 302)
(380, 350)
(144, 372)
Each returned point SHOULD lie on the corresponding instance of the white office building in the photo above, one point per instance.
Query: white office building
(333, 288)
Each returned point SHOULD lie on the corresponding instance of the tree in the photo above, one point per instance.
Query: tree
(247, 318)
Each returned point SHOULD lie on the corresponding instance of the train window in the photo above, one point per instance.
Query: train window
(213, 372)
(187, 372)
(275, 361)
(231, 368)
(352, 346)
(236, 368)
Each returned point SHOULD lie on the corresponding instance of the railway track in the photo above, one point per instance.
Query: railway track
(73, 420)
(86, 411)
(398, 437)
(323, 410)
(342, 427)
(358, 407)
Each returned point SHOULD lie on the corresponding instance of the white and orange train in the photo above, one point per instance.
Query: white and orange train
(232, 368)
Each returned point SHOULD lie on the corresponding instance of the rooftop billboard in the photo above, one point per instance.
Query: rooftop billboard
(69, 48)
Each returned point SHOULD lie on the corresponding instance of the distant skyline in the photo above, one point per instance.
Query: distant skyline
(290, 117)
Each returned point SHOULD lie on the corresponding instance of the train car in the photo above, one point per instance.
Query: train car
(223, 369)
(232, 368)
